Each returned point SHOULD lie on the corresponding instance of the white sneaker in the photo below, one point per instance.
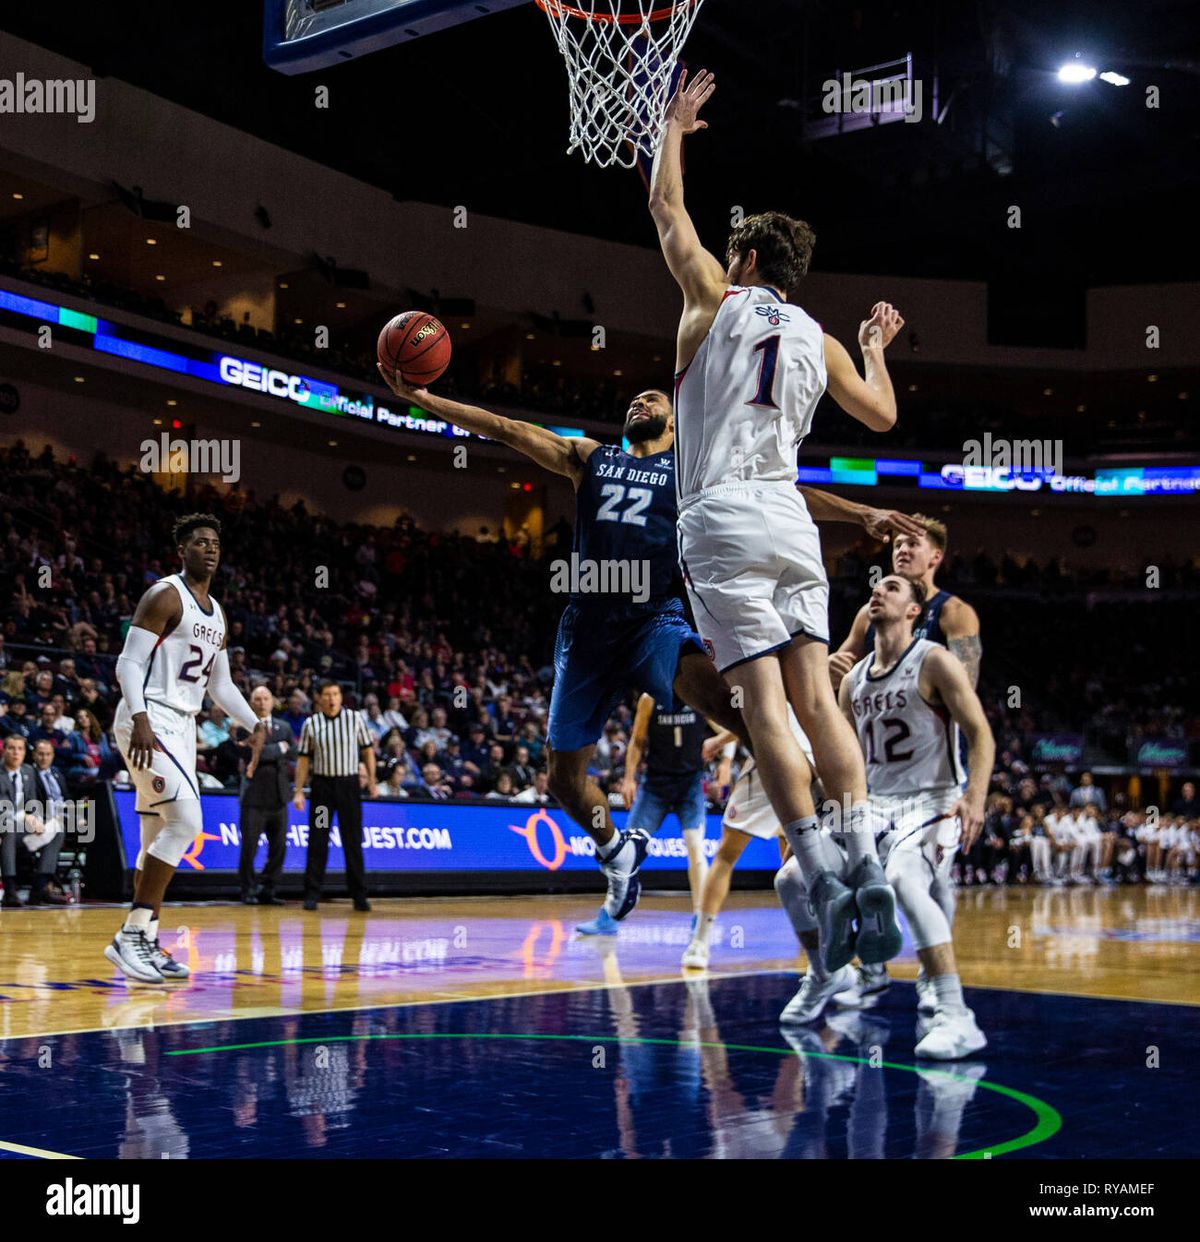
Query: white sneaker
(867, 985)
(814, 994)
(695, 956)
(133, 954)
(951, 1034)
(926, 995)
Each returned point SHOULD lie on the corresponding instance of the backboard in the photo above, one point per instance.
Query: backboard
(302, 35)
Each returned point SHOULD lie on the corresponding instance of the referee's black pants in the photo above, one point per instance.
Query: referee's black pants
(332, 795)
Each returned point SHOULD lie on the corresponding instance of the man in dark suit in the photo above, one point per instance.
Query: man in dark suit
(23, 805)
(264, 800)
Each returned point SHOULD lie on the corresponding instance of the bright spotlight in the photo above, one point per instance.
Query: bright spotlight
(1114, 79)
(1076, 71)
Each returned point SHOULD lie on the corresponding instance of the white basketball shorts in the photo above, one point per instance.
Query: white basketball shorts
(171, 776)
(751, 558)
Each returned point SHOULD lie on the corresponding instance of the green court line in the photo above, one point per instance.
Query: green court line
(1047, 1124)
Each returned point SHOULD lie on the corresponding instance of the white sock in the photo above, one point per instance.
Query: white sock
(857, 827)
(804, 836)
(152, 931)
(704, 926)
(138, 919)
(949, 992)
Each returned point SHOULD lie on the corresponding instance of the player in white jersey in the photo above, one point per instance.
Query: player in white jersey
(949, 620)
(750, 368)
(174, 655)
(907, 700)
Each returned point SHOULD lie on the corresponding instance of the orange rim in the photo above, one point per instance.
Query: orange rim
(608, 19)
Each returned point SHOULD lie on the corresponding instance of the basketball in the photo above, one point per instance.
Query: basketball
(415, 346)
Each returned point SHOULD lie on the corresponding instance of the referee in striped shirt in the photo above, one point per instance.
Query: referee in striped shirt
(333, 741)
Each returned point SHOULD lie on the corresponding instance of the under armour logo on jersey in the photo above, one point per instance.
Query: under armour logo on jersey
(774, 315)
(712, 651)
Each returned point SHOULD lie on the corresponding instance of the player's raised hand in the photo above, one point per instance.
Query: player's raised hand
(882, 524)
(879, 331)
(840, 663)
(400, 388)
(688, 99)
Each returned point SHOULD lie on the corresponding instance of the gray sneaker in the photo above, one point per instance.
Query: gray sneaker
(809, 1002)
(832, 905)
(135, 955)
(879, 938)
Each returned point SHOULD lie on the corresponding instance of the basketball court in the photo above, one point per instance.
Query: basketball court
(484, 1028)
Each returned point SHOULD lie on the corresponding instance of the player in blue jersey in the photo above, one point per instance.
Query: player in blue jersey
(954, 624)
(624, 624)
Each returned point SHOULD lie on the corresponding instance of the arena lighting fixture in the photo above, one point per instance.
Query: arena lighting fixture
(1075, 71)
(93, 256)
(151, 241)
(18, 196)
(217, 263)
(1114, 79)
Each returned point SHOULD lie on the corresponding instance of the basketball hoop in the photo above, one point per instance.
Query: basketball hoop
(621, 57)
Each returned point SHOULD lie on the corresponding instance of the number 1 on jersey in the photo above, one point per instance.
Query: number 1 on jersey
(766, 372)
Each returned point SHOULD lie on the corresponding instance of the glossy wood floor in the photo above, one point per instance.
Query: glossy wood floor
(487, 1029)
(1134, 943)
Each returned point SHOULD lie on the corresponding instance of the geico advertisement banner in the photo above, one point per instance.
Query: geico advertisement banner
(436, 836)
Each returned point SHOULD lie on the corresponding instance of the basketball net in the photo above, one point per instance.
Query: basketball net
(620, 55)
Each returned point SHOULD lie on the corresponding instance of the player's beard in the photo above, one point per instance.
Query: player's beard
(644, 429)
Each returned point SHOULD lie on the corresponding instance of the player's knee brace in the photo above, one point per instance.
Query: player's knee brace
(908, 874)
(793, 896)
(181, 825)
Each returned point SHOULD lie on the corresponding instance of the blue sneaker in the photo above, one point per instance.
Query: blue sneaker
(602, 925)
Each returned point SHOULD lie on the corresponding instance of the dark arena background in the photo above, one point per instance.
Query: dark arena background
(207, 214)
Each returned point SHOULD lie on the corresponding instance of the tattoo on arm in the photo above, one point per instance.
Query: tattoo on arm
(969, 651)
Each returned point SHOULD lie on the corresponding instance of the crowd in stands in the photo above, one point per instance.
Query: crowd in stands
(444, 641)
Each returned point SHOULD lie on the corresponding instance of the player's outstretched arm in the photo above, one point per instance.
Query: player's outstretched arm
(949, 680)
(697, 272)
(880, 524)
(560, 454)
(869, 398)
